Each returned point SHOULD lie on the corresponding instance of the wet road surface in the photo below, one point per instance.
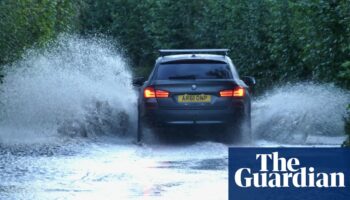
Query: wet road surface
(111, 168)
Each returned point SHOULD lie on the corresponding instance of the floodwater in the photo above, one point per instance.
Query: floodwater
(110, 168)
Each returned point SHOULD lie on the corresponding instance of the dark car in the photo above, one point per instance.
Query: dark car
(195, 87)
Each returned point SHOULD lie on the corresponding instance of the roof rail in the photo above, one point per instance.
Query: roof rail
(164, 52)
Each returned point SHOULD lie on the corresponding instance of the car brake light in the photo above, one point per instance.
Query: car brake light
(237, 92)
(162, 94)
(226, 93)
(149, 92)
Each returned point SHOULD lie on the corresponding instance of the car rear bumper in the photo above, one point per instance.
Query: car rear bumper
(193, 117)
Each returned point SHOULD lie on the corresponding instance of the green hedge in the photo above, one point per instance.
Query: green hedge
(28, 23)
(276, 41)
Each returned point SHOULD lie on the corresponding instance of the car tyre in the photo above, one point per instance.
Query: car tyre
(245, 131)
(140, 128)
(239, 132)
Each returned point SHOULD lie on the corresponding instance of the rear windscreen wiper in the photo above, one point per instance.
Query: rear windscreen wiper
(182, 77)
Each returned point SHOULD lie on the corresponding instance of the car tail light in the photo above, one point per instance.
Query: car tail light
(150, 92)
(237, 92)
(162, 94)
(226, 93)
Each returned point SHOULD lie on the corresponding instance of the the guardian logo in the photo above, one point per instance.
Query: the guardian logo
(289, 173)
(279, 172)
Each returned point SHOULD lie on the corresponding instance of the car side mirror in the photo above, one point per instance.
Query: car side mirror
(249, 81)
(138, 81)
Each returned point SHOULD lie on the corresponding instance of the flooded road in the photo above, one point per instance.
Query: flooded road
(115, 169)
(67, 130)
(110, 171)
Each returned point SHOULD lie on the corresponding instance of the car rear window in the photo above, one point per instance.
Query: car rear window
(193, 70)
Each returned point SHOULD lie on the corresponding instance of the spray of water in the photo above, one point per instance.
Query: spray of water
(75, 86)
(81, 87)
(295, 113)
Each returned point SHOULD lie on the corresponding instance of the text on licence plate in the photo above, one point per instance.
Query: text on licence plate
(194, 98)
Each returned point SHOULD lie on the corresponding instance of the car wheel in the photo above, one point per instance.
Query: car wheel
(140, 128)
(245, 131)
(239, 132)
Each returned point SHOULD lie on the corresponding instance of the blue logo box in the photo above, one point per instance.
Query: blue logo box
(289, 173)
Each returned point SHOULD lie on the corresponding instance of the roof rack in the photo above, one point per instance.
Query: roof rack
(164, 52)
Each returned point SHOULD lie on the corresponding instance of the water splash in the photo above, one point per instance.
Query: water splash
(74, 86)
(295, 113)
(82, 87)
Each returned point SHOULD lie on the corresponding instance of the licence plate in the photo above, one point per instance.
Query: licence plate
(194, 98)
